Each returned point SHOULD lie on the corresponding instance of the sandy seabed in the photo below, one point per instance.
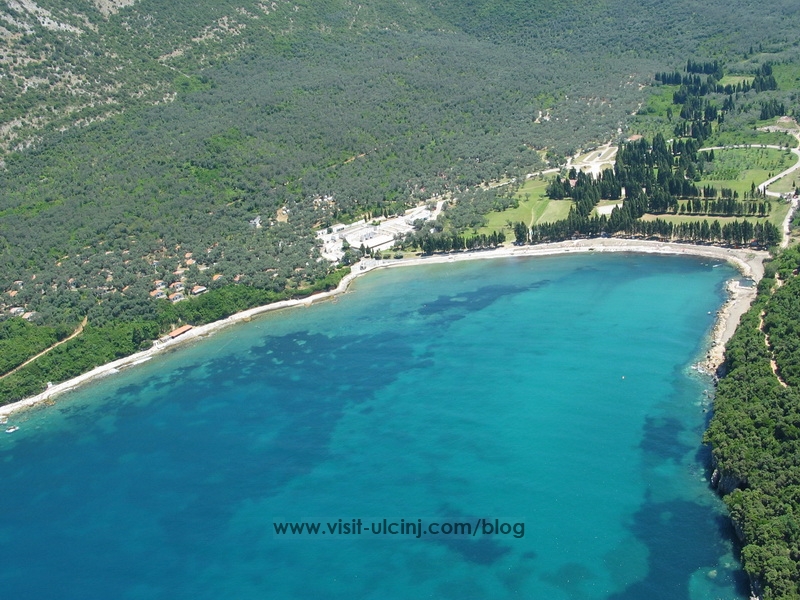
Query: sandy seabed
(749, 262)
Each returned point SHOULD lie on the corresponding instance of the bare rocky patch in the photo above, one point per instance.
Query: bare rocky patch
(110, 7)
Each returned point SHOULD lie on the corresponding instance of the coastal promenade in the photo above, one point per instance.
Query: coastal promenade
(749, 263)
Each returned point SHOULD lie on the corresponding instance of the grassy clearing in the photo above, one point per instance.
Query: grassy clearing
(603, 203)
(735, 79)
(779, 210)
(689, 218)
(787, 184)
(534, 187)
(750, 136)
(554, 211)
(649, 126)
(531, 196)
(651, 118)
(787, 75)
(540, 209)
(534, 207)
(741, 168)
(659, 101)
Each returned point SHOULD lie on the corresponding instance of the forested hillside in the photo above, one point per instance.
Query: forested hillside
(755, 432)
(200, 144)
(71, 62)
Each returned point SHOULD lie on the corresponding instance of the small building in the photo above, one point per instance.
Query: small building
(177, 286)
(158, 294)
(29, 315)
(179, 331)
(160, 285)
(216, 276)
(177, 297)
(17, 311)
(199, 289)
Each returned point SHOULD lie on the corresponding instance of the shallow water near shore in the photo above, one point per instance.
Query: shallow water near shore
(552, 392)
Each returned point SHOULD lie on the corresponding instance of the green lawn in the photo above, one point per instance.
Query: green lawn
(688, 218)
(555, 210)
(779, 210)
(651, 118)
(659, 101)
(534, 187)
(534, 207)
(750, 136)
(740, 168)
(787, 75)
(787, 184)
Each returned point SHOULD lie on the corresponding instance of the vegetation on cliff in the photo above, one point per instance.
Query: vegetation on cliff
(755, 431)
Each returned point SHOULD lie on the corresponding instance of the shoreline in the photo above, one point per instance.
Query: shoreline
(748, 262)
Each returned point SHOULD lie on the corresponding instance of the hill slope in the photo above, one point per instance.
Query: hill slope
(141, 138)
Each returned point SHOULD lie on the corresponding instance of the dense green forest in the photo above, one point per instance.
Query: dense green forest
(72, 62)
(755, 431)
(105, 341)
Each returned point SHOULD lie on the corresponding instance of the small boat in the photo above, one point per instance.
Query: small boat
(12, 429)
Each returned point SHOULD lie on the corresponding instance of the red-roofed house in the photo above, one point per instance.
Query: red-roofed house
(179, 331)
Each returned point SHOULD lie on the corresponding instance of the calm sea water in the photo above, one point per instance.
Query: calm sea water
(555, 393)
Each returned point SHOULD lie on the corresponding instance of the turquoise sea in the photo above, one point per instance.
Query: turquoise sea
(556, 393)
